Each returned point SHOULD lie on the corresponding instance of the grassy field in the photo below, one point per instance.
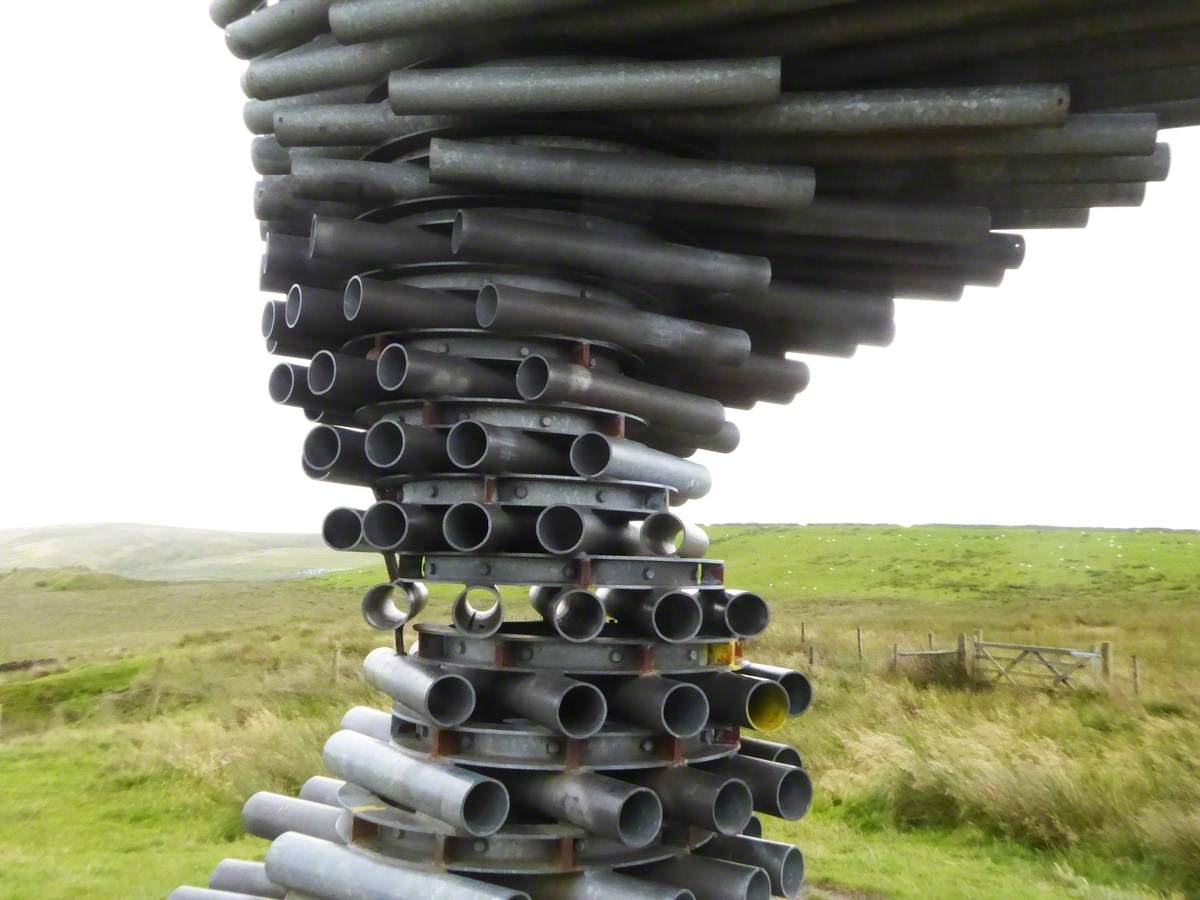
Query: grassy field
(121, 777)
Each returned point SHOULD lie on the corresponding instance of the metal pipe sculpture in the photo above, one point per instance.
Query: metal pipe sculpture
(524, 264)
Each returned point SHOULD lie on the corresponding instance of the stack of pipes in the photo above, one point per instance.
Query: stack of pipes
(525, 255)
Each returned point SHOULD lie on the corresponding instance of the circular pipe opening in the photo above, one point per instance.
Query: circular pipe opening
(733, 807)
(352, 299)
(385, 444)
(791, 873)
(799, 691)
(472, 617)
(753, 828)
(342, 528)
(560, 529)
(794, 794)
(581, 711)
(322, 372)
(640, 818)
(485, 808)
(282, 383)
(759, 886)
(487, 306)
(578, 615)
(590, 453)
(456, 233)
(467, 526)
(392, 366)
(295, 300)
(269, 319)
(385, 525)
(450, 700)
(747, 614)
(533, 378)
(322, 447)
(662, 533)
(381, 610)
(467, 444)
(766, 705)
(685, 711)
(677, 616)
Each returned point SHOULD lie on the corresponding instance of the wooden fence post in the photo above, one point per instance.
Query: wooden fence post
(962, 656)
(895, 657)
(337, 661)
(1106, 660)
(1137, 681)
(930, 636)
(802, 637)
(156, 695)
(858, 634)
(812, 654)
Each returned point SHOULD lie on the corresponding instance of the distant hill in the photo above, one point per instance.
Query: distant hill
(160, 553)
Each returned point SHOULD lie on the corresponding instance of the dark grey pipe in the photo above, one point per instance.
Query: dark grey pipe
(511, 309)
(439, 697)
(346, 124)
(666, 706)
(379, 245)
(797, 685)
(269, 157)
(753, 828)
(471, 527)
(337, 455)
(568, 707)
(325, 68)
(457, 796)
(494, 449)
(709, 879)
(365, 184)
(226, 12)
(267, 815)
(339, 418)
(512, 167)
(402, 527)
(286, 262)
(387, 606)
(667, 615)
(259, 115)
(596, 884)
(342, 529)
(747, 702)
(741, 614)
(699, 798)
(575, 614)
(1040, 218)
(349, 380)
(606, 458)
(771, 751)
(321, 789)
(240, 876)
(726, 440)
(363, 20)
(288, 385)
(771, 378)
(374, 723)
(858, 112)
(275, 197)
(569, 530)
(596, 803)
(374, 305)
(481, 233)
(399, 448)
(584, 86)
(316, 311)
(779, 790)
(666, 534)
(783, 863)
(285, 24)
(322, 869)
(813, 304)
(409, 372)
(539, 378)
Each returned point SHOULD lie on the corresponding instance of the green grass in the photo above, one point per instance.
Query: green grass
(923, 791)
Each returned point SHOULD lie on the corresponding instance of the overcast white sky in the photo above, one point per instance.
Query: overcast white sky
(135, 378)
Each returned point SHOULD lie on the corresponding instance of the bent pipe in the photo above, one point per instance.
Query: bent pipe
(598, 804)
(409, 372)
(495, 450)
(698, 798)
(779, 790)
(676, 708)
(709, 879)
(575, 615)
(574, 709)
(322, 869)
(783, 863)
(797, 685)
(394, 527)
(400, 448)
(487, 234)
(321, 789)
(565, 530)
(268, 815)
(441, 698)
(388, 606)
(539, 378)
(374, 723)
(240, 876)
(456, 796)
(605, 458)
(667, 615)
(517, 310)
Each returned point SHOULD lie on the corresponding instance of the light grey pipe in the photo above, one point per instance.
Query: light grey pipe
(575, 614)
(709, 879)
(322, 789)
(439, 697)
(398, 447)
(459, 797)
(495, 449)
(596, 884)
(667, 706)
(245, 877)
(387, 606)
(567, 530)
(783, 863)
(634, 176)
(341, 873)
(225, 12)
(187, 892)
(779, 790)
(702, 799)
(402, 527)
(280, 26)
(596, 803)
(374, 723)
(666, 615)
(571, 708)
(666, 534)
(584, 86)
(605, 458)
(268, 815)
